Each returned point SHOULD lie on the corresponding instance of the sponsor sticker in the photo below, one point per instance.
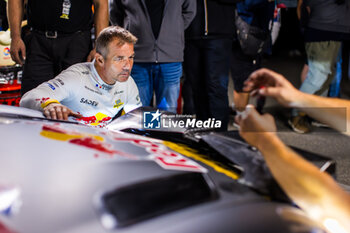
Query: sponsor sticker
(164, 157)
(66, 9)
(89, 102)
(118, 103)
(60, 81)
(118, 92)
(104, 87)
(51, 86)
(90, 141)
(6, 51)
(154, 149)
(99, 119)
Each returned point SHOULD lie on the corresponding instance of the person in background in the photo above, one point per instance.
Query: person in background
(328, 24)
(60, 36)
(207, 59)
(258, 13)
(312, 190)
(159, 26)
(92, 92)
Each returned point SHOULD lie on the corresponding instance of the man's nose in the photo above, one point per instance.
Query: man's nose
(127, 64)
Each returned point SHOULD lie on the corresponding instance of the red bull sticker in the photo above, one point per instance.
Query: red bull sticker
(163, 157)
(171, 160)
(156, 151)
(91, 141)
(99, 120)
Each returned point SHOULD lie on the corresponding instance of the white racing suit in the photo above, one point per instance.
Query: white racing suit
(82, 90)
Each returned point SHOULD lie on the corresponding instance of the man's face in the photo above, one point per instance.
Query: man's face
(119, 62)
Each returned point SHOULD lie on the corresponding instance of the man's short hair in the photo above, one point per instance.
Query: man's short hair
(111, 33)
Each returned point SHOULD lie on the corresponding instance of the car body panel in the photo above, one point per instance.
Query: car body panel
(59, 173)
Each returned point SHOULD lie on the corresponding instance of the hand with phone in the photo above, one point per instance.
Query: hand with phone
(266, 82)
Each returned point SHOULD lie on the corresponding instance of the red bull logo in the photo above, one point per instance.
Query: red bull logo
(91, 141)
(100, 120)
(163, 157)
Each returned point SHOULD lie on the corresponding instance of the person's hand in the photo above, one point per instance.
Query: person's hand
(58, 111)
(91, 55)
(18, 50)
(256, 129)
(268, 83)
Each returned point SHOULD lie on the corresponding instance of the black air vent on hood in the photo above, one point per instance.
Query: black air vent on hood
(144, 200)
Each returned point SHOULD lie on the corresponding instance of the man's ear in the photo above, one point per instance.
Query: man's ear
(99, 59)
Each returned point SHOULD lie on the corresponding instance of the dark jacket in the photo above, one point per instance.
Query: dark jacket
(327, 15)
(133, 16)
(214, 19)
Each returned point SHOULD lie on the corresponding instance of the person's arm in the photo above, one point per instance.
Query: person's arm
(299, 4)
(15, 15)
(101, 20)
(331, 111)
(101, 15)
(47, 97)
(189, 8)
(314, 191)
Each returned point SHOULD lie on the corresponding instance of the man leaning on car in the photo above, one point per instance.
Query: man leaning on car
(92, 92)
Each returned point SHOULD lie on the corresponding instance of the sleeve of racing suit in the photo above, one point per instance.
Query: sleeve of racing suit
(53, 91)
(189, 8)
(133, 98)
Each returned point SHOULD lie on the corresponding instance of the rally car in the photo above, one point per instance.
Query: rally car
(59, 176)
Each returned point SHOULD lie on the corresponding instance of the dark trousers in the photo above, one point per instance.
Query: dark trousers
(206, 67)
(242, 66)
(46, 57)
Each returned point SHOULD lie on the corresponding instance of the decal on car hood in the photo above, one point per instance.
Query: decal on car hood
(155, 150)
(185, 150)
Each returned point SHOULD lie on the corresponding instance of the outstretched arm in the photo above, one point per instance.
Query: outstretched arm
(315, 192)
(47, 97)
(332, 111)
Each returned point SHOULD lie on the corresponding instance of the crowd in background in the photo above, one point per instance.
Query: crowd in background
(185, 48)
